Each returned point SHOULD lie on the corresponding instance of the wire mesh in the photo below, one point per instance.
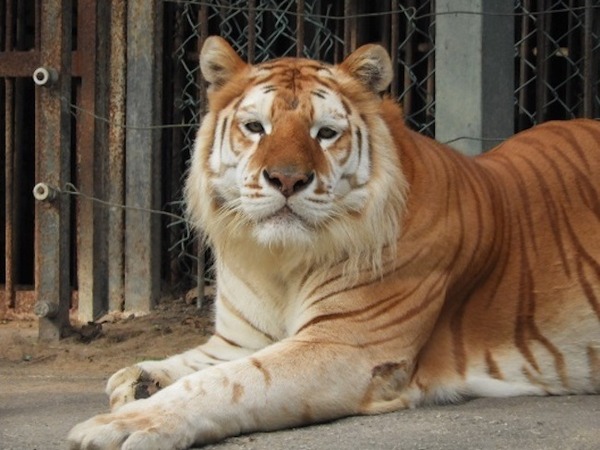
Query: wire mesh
(557, 53)
(557, 49)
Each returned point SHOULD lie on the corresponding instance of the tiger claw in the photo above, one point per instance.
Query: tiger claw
(133, 383)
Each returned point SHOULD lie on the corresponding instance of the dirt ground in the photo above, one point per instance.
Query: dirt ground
(110, 343)
(45, 389)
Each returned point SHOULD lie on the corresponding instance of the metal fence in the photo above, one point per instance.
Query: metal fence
(557, 47)
(104, 112)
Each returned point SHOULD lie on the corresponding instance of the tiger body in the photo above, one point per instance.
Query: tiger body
(364, 268)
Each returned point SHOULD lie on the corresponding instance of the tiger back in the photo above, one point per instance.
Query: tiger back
(364, 268)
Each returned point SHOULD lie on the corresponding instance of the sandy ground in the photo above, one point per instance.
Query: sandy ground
(45, 389)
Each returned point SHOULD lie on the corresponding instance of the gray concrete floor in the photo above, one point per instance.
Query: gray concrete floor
(36, 412)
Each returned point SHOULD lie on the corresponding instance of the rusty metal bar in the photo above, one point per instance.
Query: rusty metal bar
(19, 64)
(174, 106)
(116, 154)
(142, 167)
(223, 13)
(203, 106)
(91, 219)
(84, 148)
(25, 300)
(251, 31)
(338, 49)
(203, 21)
(38, 27)
(394, 44)
(53, 163)
(9, 287)
(349, 26)
(23, 63)
(203, 24)
(9, 26)
(588, 75)
(571, 48)
(299, 28)
(9, 141)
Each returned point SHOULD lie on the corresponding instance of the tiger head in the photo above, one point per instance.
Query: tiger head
(294, 154)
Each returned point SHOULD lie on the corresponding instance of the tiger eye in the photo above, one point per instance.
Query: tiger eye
(254, 127)
(326, 133)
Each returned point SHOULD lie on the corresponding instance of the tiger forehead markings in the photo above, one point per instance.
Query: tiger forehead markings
(363, 268)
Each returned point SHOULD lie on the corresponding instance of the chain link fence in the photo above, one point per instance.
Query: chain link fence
(557, 53)
(557, 50)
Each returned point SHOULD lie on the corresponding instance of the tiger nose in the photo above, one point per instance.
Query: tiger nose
(288, 182)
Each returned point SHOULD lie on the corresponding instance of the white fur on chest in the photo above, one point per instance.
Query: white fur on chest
(261, 289)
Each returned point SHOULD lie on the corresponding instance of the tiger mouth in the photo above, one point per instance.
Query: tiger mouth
(284, 212)
(284, 215)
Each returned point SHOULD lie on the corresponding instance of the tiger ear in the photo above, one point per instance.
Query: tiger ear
(219, 62)
(371, 65)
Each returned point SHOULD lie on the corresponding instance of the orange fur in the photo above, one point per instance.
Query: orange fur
(364, 268)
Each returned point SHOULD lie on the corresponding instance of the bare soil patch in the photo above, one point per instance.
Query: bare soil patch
(112, 342)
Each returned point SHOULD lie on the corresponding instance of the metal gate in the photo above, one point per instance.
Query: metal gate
(51, 51)
(36, 35)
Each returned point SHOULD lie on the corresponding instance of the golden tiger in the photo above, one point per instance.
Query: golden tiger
(364, 268)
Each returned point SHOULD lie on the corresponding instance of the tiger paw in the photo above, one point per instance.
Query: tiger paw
(133, 427)
(135, 383)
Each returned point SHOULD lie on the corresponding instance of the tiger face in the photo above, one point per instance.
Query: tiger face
(293, 151)
(295, 165)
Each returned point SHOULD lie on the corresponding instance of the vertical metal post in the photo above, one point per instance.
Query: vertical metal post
(203, 106)
(474, 73)
(91, 219)
(53, 164)
(299, 28)
(9, 288)
(572, 45)
(116, 154)
(142, 175)
(394, 44)
(251, 31)
(350, 26)
(588, 61)
(542, 47)
(9, 141)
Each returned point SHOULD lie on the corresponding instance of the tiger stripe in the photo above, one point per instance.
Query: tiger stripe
(363, 268)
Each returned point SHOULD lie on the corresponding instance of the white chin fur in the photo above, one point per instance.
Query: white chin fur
(283, 231)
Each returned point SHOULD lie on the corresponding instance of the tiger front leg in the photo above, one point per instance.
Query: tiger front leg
(144, 379)
(288, 384)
